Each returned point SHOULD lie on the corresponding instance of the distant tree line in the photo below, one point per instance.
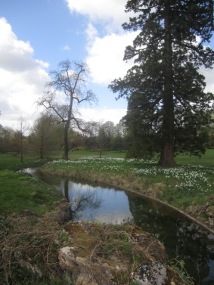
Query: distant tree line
(47, 136)
(10, 140)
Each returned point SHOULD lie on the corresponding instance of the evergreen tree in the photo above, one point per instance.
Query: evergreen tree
(167, 105)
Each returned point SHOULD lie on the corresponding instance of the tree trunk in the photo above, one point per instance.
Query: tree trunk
(66, 146)
(67, 126)
(167, 155)
(41, 148)
(167, 147)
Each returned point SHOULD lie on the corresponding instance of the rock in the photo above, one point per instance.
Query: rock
(153, 273)
(82, 269)
(66, 258)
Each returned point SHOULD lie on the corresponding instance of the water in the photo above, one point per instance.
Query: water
(183, 239)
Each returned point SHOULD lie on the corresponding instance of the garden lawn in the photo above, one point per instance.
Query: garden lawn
(12, 161)
(21, 192)
(205, 160)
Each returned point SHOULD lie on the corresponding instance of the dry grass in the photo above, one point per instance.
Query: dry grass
(120, 247)
(30, 247)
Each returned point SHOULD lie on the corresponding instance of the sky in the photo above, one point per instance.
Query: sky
(36, 35)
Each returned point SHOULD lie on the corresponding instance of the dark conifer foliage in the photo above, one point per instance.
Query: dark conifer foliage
(168, 108)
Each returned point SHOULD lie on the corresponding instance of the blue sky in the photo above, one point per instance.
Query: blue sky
(49, 26)
(35, 35)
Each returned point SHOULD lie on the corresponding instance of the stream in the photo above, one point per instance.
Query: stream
(182, 238)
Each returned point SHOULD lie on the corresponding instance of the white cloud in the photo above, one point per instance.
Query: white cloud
(103, 114)
(106, 43)
(105, 57)
(22, 77)
(109, 12)
(209, 75)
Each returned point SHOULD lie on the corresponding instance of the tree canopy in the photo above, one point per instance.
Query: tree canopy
(167, 105)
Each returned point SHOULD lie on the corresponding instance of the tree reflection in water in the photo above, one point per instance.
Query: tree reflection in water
(80, 201)
(183, 239)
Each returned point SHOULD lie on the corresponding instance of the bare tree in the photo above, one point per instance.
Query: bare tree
(63, 95)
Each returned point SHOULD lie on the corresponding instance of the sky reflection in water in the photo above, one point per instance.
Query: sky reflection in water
(113, 204)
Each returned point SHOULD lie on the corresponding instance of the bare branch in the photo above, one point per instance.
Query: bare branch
(68, 82)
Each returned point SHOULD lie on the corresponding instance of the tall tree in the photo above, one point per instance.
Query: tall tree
(63, 95)
(164, 88)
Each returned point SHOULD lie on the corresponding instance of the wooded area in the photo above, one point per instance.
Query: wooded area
(47, 136)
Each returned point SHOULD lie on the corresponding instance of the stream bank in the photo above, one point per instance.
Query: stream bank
(31, 247)
(183, 239)
(50, 250)
(202, 213)
(70, 252)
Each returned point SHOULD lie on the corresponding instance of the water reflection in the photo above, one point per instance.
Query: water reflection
(91, 201)
(183, 239)
(80, 201)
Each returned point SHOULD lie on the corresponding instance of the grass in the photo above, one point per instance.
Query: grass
(189, 184)
(180, 186)
(206, 160)
(114, 245)
(106, 253)
(21, 192)
(186, 186)
(12, 162)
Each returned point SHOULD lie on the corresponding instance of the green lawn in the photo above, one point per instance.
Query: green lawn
(206, 160)
(22, 192)
(12, 161)
(191, 182)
